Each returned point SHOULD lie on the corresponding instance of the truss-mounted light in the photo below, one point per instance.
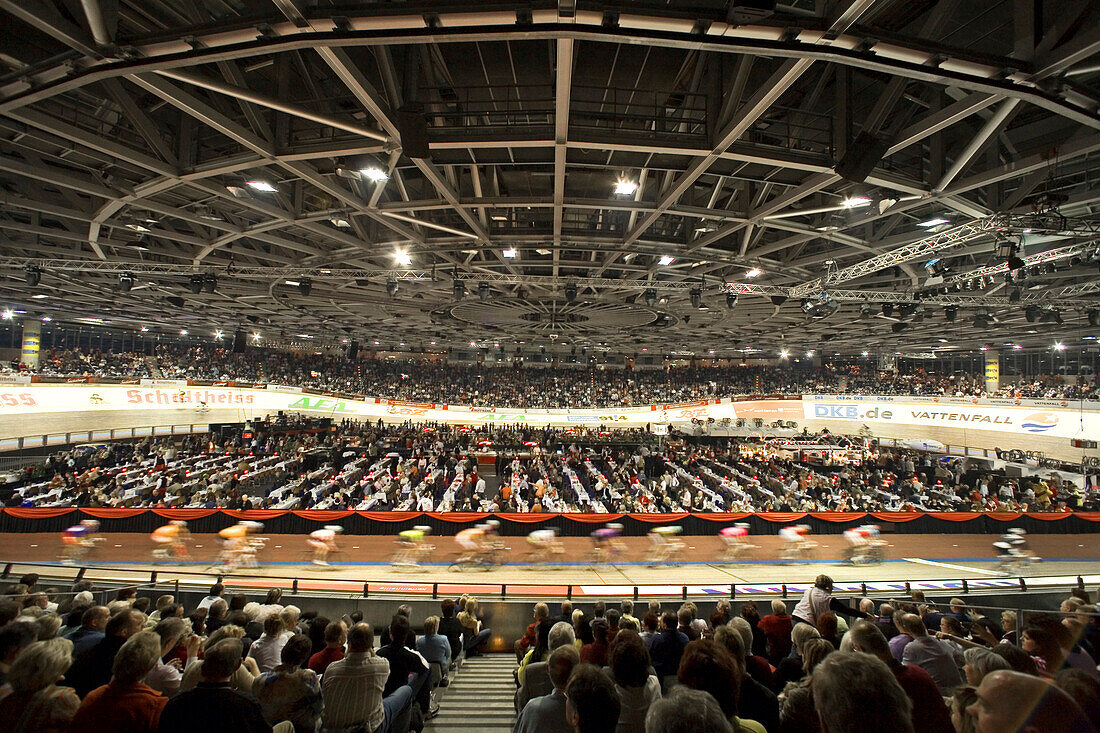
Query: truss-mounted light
(391, 288)
(510, 253)
(483, 291)
(402, 258)
(126, 282)
(194, 284)
(754, 272)
(731, 301)
(696, 297)
(374, 174)
(458, 288)
(625, 187)
(855, 201)
(933, 222)
(666, 260)
(259, 184)
(570, 292)
(650, 297)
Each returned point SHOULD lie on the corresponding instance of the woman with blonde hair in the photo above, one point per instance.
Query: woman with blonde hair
(242, 680)
(34, 703)
(796, 711)
(473, 635)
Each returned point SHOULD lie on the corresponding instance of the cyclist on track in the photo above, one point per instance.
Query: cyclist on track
(863, 544)
(323, 541)
(1013, 550)
(796, 542)
(543, 544)
(666, 546)
(171, 540)
(411, 546)
(240, 546)
(736, 540)
(78, 540)
(479, 542)
(606, 545)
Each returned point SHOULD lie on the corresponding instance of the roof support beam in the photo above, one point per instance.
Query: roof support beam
(563, 82)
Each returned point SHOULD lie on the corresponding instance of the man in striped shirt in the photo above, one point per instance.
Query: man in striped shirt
(352, 687)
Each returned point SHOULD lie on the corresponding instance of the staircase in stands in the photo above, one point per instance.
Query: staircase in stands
(479, 697)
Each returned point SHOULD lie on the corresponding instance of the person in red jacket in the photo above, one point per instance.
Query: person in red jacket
(125, 703)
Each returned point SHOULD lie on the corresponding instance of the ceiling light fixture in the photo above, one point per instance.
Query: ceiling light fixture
(510, 253)
(934, 222)
(374, 174)
(666, 260)
(402, 257)
(853, 202)
(754, 272)
(625, 187)
(261, 185)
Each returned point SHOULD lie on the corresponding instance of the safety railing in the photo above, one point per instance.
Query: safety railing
(92, 436)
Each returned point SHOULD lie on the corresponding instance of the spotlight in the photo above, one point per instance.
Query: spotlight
(951, 312)
(125, 282)
(906, 310)
(1094, 317)
(887, 309)
(1015, 263)
(33, 275)
(210, 283)
(305, 287)
(1032, 313)
(1006, 248)
(195, 284)
(696, 296)
(1014, 295)
(650, 297)
(391, 287)
(1052, 316)
(898, 327)
(459, 289)
(778, 300)
(570, 292)
(731, 301)
(866, 311)
(483, 291)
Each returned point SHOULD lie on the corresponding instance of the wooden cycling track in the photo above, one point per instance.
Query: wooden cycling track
(364, 558)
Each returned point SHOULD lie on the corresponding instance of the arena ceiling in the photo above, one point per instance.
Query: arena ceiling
(625, 173)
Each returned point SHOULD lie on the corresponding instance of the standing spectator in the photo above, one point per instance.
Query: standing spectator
(591, 705)
(36, 703)
(666, 647)
(856, 692)
(213, 706)
(92, 623)
(777, 631)
(336, 635)
(637, 688)
(126, 703)
(475, 637)
(546, 714)
(290, 692)
(267, 650)
(817, 600)
(215, 594)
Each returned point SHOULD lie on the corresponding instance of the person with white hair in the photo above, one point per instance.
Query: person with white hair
(978, 662)
(34, 701)
(126, 703)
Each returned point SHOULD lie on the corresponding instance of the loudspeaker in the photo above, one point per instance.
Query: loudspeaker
(413, 126)
(353, 349)
(240, 342)
(861, 157)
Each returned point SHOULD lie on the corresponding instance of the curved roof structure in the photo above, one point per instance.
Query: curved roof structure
(861, 173)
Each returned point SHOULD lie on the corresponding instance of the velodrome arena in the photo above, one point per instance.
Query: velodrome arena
(691, 321)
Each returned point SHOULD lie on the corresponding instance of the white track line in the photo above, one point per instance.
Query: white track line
(953, 567)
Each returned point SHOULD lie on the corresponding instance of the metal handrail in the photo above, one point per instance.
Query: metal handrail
(91, 436)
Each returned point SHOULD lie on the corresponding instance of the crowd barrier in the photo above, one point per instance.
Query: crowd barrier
(388, 523)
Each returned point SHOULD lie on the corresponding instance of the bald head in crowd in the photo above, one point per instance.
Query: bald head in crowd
(1013, 702)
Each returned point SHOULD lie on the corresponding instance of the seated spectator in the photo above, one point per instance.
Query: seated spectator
(591, 704)
(213, 706)
(963, 698)
(241, 680)
(336, 635)
(1085, 691)
(546, 713)
(1011, 701)
(684, 619)
(790, 668)
(125, 703)
(166, 678)
(450, 627)
(541, 612)
(474, 636)
(684, 710)
(754, 700)
(777, 631)
(217, 615)
(666, 647)
(352, 689)
(797, 712)
(929, 713)
(979, 662)
(750, 613)
(637, 688)
(92, 623)
(756, 667)
(857, 692)
(267, 650)
(407, 667)
(92, 669)
(1046, 639)
(434, 647)
(14, 638)
(534, 679)
(934, 656)
(596, 652)
(707, 666)
(36, 703)
(290, 692)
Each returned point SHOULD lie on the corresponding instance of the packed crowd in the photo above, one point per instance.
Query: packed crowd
(909, 665)
(532, 386)
(365, 466)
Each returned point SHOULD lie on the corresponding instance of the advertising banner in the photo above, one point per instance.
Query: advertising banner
(992, 371)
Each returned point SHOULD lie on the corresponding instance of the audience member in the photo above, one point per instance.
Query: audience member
(684, 710)
(1011, 702)
(856, 693)
(125, 703)
(213, 706)
(547, 713)
(591, 703)
(290, 692)
(37, 703)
